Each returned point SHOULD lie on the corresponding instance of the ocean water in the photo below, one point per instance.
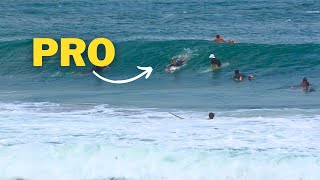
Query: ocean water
(59, 123)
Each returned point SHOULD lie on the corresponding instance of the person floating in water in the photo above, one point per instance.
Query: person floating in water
(237, 76)
(214, 61)
(211, 115)
(305, 84)
(218, 39)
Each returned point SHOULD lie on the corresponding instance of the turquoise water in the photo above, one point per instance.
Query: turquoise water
(58, 124)
(276, 68)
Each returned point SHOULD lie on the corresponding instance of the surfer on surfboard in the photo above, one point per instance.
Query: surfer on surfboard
(218, 39)
(305, 84)
(214, 61)
(176, 62)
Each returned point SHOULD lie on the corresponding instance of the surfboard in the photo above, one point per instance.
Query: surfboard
(214, 68)
(173, 68)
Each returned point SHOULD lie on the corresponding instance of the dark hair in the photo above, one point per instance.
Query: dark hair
(236, 71)
(211, 115)
(305, 79)
(217, 36)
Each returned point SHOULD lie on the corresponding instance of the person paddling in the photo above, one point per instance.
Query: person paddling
(305, 84)
(214, 61)
(218, 39)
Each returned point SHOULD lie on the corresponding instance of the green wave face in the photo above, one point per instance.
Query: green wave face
(275, 68)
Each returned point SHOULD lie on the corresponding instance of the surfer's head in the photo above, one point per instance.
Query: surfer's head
(236, 71)
(212, 56)
(174, 61)
(211, 115)
(218, 36)
(305, 79)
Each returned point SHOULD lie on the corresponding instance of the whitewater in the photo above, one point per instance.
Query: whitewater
(64, 123)
(54, 141)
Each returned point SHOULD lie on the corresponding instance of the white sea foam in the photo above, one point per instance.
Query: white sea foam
(313, 12)
(56, 141)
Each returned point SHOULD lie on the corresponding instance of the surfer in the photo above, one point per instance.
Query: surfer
(218, 39)
(211, 115)
(305, 84)
(237, 76)
(177, 62)
(214, 61)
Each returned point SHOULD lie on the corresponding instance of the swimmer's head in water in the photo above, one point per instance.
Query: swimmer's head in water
(236, 71)
(305, 79)
(218, 36)
(211, 115)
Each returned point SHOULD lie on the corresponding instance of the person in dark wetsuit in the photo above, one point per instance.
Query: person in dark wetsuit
(237, 76)
(214, 61)
(179, 63)
(176, 62)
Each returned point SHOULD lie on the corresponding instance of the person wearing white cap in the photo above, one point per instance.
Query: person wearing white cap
(214, 61)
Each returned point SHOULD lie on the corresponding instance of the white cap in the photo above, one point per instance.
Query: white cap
(212, 56)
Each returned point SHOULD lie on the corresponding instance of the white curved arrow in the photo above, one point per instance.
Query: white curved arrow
(146, 71)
